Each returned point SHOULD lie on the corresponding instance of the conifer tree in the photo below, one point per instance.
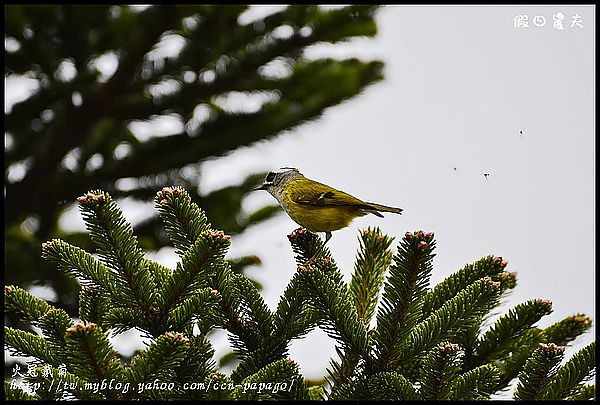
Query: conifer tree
(74, 132)
(396, 336)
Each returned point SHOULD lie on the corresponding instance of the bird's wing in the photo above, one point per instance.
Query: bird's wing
(307, 192)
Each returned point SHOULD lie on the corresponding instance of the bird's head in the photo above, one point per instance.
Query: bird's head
(275, 181)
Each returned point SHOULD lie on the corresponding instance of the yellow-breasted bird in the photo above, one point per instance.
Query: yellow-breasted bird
(316, 206)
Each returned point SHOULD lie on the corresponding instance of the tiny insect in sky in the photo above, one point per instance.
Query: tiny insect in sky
(486, 175)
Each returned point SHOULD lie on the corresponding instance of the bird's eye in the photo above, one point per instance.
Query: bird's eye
(270, 177)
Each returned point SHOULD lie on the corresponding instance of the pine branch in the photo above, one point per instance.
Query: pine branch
(128, 81)
(262, 384)
(24, 305)
(410, 370)
(117, 245)
(222, 387)
(476, 384)
(466, 305)
(195, 269)
(390, 385)
(401, 302)
(267, 352)
(197, 365)
(372, 260)
(93, 304)
(253, 309)
(201, 305)
(241, 337)
(187, 227)
(159, 273)
(570, 378)
(159, 361)
(332, 303)
(586, 393)
(499, 338)
(221, 135)
(294, 318)
(79, 263)
(353, 389)
(441, 365)
(54, 324)
(121, 319)
(244, 340)
(331, 300)
(566, 330)
(306, 244)
(184, 221)
(89, 355)
(28, 344)
(256, 317)
(538, 370)
(490, 266)
(507, 279)
(341, 372)
(467, 335)
(522, 349)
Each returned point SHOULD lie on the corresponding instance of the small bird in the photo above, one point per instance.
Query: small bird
(486, 175)
(316, 206)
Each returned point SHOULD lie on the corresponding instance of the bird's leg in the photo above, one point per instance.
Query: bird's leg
(327, 237)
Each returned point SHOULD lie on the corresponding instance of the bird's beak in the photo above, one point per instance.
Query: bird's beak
(261, 187)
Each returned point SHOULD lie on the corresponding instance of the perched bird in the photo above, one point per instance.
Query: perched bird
(316, 206)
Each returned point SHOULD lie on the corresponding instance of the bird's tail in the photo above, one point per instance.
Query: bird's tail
(374, 208)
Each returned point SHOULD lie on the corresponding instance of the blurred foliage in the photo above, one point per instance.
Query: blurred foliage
(74, 132)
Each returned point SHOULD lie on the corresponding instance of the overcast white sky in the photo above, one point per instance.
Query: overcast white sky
(461, 82)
